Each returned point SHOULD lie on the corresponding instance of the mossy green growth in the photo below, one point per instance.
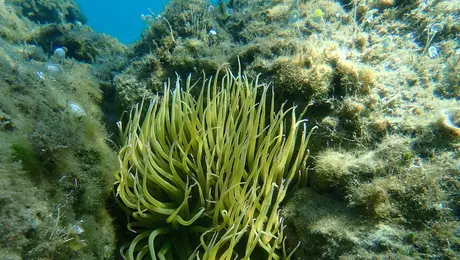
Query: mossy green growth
(205, 177)
(23, 151)
(332, 170)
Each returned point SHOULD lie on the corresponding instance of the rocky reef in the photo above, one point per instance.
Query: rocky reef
(380, 79)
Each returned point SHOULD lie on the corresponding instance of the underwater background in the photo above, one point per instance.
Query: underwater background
(119, 18)
(234, 129)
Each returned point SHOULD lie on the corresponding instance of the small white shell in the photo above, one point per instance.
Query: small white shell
(54, 69)
(75, 108)
(78, 229)
(60, 52)
(436, 27)
(433, 52)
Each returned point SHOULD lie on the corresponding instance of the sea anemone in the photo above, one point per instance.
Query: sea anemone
(205, 177)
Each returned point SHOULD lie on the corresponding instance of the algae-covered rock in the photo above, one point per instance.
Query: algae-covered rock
(57, 165)
(49, 11)
(331, 170)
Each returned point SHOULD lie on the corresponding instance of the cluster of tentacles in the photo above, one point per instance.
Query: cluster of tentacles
(204, 177)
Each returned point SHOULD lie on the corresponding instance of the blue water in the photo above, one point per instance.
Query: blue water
(120, 18)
